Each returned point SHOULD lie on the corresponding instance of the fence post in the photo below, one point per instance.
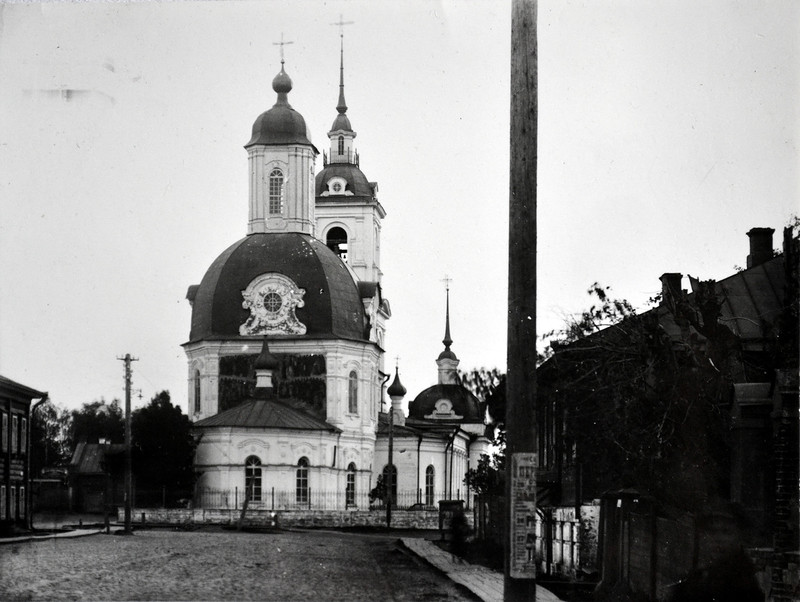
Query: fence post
(273, 499)
(236, 498)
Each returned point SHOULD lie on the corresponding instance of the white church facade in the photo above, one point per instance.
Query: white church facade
(286, 349)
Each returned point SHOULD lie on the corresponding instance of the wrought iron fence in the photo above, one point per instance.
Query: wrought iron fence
(270, 498)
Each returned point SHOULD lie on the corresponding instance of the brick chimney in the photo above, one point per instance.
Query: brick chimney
(760, 246)
(670, 286)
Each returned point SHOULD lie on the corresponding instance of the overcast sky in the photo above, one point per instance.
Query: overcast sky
(666, 131)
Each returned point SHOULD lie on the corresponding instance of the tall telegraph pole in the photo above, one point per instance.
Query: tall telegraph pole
(128, 467)
(519, 574)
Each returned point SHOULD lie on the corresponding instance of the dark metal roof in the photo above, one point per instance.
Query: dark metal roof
(332, 303)
(356, 181)
(89, 458)
(10, 387)
(266, 413)
(280, 125)
(464, 403)
(753, 299)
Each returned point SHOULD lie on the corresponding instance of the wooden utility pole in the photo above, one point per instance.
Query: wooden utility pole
(128, 464)
(519, 582)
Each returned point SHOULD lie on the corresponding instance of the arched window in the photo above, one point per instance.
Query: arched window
(350, 486)
(197, 391)
(387, 470)
(301, 490)
(429, 474)
(275, 191)
(252, 478)
(352, 392)
(336, 241)
(341, 145)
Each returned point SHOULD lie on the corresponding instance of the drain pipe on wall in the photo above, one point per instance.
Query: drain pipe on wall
(29, 497)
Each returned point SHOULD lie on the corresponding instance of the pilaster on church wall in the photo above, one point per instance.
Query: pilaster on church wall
(205, 358)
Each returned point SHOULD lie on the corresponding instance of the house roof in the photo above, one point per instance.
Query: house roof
(89, 458)
(752, 300)
(266, 413)
(10, 387)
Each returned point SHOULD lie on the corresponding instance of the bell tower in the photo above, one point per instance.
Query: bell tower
(281, 160)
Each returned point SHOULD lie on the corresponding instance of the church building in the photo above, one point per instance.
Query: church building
(285, 354)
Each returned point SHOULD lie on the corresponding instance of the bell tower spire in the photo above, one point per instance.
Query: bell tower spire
(447, 360)
(341, 134)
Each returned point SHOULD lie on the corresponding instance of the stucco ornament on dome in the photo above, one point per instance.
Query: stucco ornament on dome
(272, 300)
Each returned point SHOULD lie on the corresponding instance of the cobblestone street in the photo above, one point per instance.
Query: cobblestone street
(214, 565)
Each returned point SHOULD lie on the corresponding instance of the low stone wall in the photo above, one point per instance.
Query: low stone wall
(401, 519)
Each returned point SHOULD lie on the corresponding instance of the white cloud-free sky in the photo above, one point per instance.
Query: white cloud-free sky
(666, 131)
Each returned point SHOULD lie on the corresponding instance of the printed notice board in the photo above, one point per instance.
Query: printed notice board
(523, 514)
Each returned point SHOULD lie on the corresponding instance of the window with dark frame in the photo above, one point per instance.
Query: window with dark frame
(301, 490)
(352, 392)
(350, 487)
(275, 192)
(252, 478)
(429, 477)
(197, 391)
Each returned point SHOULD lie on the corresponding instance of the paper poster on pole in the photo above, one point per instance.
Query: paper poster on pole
(523, 516)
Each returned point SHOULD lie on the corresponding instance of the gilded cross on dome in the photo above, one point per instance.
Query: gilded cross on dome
(281, 44)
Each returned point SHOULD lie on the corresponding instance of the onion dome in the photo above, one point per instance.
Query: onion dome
(281, 284)
(281, 124)
(396, 389)
(447, 403)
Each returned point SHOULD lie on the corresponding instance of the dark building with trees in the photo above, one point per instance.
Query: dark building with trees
(668, 442)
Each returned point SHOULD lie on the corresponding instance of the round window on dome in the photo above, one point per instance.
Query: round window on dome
(272, 302)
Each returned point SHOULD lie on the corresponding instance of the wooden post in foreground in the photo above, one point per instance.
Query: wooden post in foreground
(519, 581)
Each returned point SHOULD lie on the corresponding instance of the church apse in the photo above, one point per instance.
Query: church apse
(299, 378)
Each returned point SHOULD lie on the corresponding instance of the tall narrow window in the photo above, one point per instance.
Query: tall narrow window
(387, 470)
(22, 502)
(23, 436)
(275, 191)
(350, 487)
(197, 391)
(341, 145)
(4, 432)
(3, 514)
(301, 490)
(14, 433)
(13, 509)
(352, 393)
(252, 478)
(429, 475)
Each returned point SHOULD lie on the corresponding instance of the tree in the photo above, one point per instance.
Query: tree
(95, 421)
(49, 437)
(163, 450)
(489, 386)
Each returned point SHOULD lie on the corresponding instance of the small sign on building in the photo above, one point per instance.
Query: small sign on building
(523, 516)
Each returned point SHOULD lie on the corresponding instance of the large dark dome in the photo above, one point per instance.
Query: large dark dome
(332, 305)
(356, 180)
(462, 402)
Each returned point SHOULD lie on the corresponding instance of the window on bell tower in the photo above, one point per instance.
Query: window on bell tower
(341, 145)
(275, 191)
